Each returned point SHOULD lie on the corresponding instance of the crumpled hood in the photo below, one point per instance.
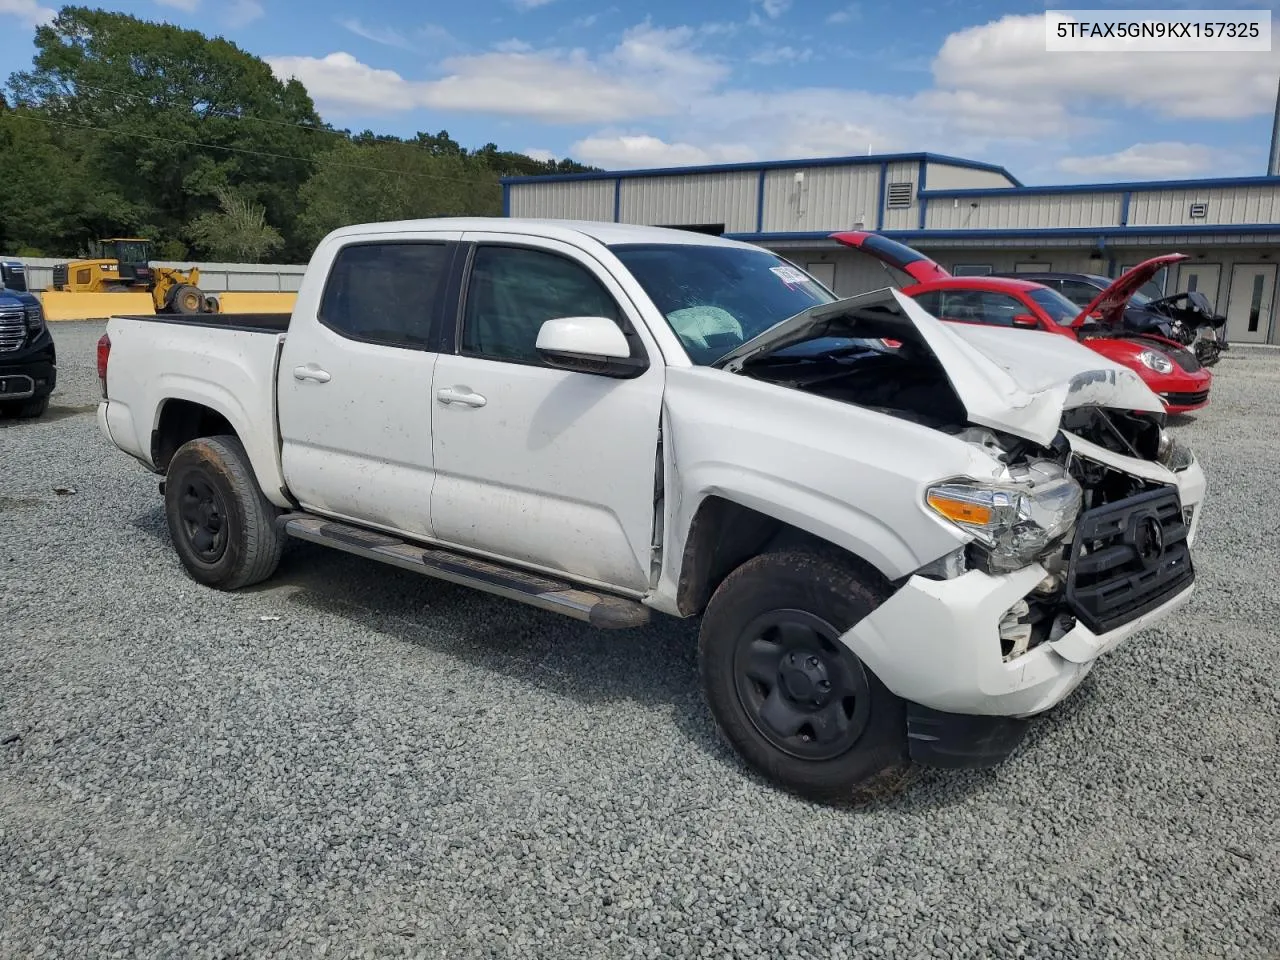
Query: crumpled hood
(1017, 381)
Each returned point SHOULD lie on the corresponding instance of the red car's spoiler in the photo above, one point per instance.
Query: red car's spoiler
(897, 255)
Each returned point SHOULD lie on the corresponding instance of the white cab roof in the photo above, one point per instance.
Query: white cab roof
(609, 234)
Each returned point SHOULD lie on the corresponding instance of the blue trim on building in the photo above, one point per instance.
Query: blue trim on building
(1124, 208)
(506, 200)
(760, 203)
(617, 200)
(1135, 187)
(1062, 232)
(921, 186)
(884, 187)
(771, 165)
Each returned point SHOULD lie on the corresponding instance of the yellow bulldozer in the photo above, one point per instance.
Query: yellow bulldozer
(123, 265)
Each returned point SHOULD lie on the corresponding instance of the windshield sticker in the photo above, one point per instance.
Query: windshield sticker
(789, 275)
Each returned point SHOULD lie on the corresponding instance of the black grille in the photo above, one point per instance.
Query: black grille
(1128, 558)
(59, 276)
(1186, 399)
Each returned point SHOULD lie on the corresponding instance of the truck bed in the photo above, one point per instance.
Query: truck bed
(226, 363)
(245, 322)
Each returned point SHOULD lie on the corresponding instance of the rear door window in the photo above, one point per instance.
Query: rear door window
(387, 293)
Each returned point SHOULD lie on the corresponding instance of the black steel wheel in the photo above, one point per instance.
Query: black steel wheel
(223, 528)
(792, 699)
(806, 693)
(204, 517)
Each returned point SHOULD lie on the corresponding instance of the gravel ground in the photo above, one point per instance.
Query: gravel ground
(351, 761)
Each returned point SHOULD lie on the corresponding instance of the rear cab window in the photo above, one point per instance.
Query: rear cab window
(388, 293)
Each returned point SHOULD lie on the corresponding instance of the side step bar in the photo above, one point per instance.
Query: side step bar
(598, 609)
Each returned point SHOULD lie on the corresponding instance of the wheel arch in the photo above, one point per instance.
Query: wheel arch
(725, 532)
(180, 418)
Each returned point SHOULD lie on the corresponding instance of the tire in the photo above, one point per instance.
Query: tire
(768, 645)
(25, 409)
(222, 527)
(186, 299)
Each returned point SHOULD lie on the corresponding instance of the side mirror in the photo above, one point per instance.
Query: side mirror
(588, 345)
(1026, 320)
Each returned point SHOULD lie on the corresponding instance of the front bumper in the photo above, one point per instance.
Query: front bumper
(936, 643)
(30, 372)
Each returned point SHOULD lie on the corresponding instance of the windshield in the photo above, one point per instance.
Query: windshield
(717, 298)
(1060, 310)
(132, 251)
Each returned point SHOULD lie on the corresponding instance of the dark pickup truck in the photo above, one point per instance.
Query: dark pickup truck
(28, 360)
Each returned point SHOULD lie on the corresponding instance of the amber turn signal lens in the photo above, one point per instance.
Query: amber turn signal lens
(960, 511)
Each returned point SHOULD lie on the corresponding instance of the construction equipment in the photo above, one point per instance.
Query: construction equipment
(123, 264)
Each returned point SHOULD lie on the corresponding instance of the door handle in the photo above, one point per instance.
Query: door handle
(311, 372)
(462, 395)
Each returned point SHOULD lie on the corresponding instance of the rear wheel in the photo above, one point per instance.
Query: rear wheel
(795, 702)
(222, 527)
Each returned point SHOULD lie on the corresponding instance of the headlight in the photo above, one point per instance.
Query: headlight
(1016, 522)
(1155, 361)
(1174, 455)
(35, 319)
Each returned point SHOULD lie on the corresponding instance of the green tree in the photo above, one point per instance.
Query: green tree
(238, 232)
(175, 115)
(386, 180)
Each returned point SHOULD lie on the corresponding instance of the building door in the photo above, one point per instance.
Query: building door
(1249, 302)
(824, 273)
(1200, 278)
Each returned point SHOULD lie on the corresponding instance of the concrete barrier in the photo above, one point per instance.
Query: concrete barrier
(246, 302)
(59, 305)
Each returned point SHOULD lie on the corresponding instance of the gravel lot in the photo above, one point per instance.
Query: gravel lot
(353, 761)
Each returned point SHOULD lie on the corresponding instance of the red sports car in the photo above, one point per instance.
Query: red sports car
(1168, 368)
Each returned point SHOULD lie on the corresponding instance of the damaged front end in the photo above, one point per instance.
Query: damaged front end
(1100, 511)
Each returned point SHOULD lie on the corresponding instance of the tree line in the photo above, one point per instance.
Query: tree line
(125, 127)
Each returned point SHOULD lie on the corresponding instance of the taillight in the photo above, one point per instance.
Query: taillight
(104, 354)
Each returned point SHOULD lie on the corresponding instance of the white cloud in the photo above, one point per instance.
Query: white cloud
(772, 55)
(188, 5)
(1007, 59)
(530, 4)
(340, 78)
(241, 13)
(512, 46)
(632, 151)
(651, 72)
(773, 9)
(535, 86)
(535, 153)
(29, 10)
(845, 14)
(383, 35)
(1153, 160)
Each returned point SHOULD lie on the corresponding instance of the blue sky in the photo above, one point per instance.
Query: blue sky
(671, 83)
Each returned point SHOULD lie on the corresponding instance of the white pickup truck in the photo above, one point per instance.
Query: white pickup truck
(899, 552)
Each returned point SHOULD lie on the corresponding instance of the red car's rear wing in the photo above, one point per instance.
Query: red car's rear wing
(891, 253)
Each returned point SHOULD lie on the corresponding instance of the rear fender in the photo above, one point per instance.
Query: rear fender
(258, 440)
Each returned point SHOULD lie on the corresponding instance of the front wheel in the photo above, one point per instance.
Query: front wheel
(25, 409)
(222, 527)
(186, 300)
(795, 702)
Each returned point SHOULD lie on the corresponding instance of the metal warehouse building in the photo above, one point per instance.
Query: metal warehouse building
(973, 217)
